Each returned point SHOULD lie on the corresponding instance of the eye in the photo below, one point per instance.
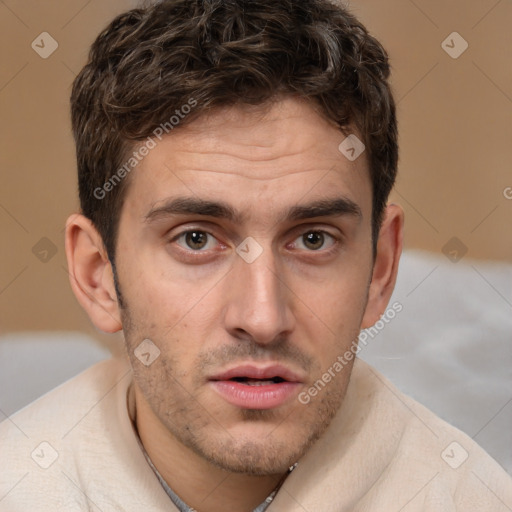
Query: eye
(314, 241)
(196, 240)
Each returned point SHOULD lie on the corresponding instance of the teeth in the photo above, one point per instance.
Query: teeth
(258, 382)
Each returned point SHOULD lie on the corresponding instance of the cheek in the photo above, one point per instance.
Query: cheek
(331, 314)
(172, 290)
(181, 321)
(337, 294)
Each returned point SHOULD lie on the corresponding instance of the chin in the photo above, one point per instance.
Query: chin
(255, 459)
(258, 449)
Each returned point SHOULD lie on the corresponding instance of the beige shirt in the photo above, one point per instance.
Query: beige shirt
(75, 449)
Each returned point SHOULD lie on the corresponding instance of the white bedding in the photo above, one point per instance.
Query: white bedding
(451, 345)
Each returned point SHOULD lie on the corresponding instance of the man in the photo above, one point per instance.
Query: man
(235, 160)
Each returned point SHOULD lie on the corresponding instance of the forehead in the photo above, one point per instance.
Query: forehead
(252, 157)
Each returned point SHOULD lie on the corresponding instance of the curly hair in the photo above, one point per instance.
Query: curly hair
(151, 61)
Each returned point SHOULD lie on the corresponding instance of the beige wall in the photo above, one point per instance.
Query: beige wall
(455, 120)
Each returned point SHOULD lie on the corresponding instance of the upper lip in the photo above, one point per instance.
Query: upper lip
(251, 371)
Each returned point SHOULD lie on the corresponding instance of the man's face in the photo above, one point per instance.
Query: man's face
(225, 321)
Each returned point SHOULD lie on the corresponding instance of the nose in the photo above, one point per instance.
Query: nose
(259, 305)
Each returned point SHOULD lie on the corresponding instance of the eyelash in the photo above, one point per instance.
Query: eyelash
(334, 241)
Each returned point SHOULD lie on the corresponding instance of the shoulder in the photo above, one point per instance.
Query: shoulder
(385, 451)
(56, 410)
(70, 449)
(433, 463)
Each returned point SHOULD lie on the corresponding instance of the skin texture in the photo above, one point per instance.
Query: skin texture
(208, 310)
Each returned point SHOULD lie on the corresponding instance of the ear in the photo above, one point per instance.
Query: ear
(90, 274)
(385, 268)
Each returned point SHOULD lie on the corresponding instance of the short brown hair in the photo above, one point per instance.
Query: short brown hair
(150, 62)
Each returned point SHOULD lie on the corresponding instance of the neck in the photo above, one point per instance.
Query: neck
(200, 484)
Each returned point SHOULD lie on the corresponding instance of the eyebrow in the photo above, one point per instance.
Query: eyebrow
(192, 206)
(335, 207)
(326, 208)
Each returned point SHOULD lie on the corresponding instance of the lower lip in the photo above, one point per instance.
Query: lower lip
(246, 396)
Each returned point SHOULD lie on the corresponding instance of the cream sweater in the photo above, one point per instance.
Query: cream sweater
(75, 449)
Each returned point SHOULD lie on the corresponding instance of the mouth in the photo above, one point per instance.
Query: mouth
(258, 382)
(252, 387)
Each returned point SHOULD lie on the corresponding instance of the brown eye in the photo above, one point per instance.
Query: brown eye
(196, 246)
(313, 240)
(196, 239)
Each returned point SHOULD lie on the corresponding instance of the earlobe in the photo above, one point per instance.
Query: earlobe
(385, 269)
(90, 274)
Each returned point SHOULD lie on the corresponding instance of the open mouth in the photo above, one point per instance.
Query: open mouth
(251, 387)
(258, 382)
